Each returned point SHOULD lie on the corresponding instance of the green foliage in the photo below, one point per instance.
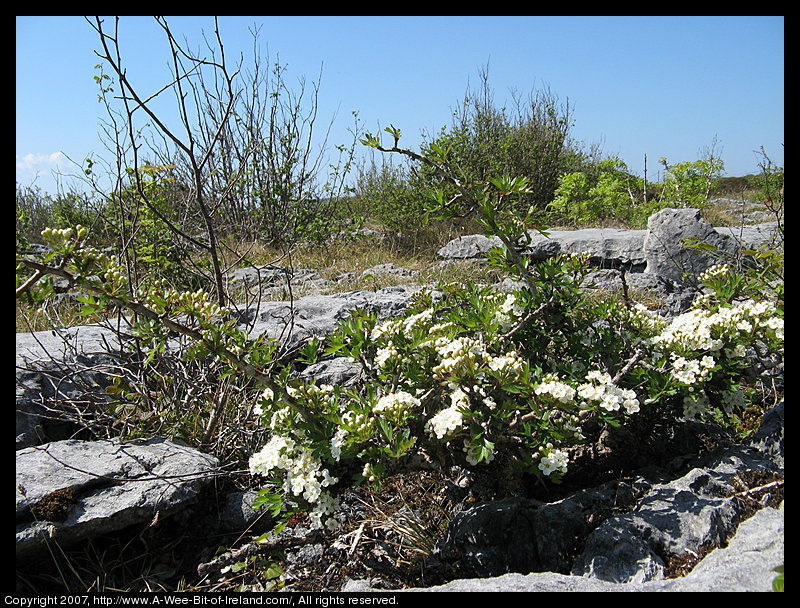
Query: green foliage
(471, 373)
(777, 584)
(770, 183)
(690, 182)
(140, 219)
(391, 195)
(531, 140)
(607, 191)
(37, 210)
(484, 141)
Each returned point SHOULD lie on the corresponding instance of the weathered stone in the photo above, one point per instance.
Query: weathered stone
(659, 250)
(746, 564)
(669, 229)
(664, 244)
(388, 269)
(46, 390)
(339, 371)
(468, 247)
(607, 247)
(238, 515)
(318, 315)
(103, 486)
(270, 275)
(524, 535)
(62, 345)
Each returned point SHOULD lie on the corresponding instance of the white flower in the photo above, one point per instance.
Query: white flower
(555, 460)
(510, 363)
(304, 475)
(508, 312)
(457, 353)
(472, 453)
(396, 406)
(694, 406)
(609, 396)
(419, 320)
(714, 272)
(556, 389)
(449, 419)
(383, 355)
(337, 441)
(692, 371)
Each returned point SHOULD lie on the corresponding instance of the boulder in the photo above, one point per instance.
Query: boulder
(659, 250)
(664, 248)
(317, 315)
(608, 247)
(468, 247)
(669, 230)
(270, 275)
(746, 564)
(339, 371)
(237, 514)
(64, 344)
(524, 535)
(389, 269)
(73, 490)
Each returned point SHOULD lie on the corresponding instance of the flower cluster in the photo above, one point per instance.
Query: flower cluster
(61, 236)
(692, 371)
(358, 424)
(717, 271)
(396, 406)
(598, 388)
(450, 419)
(695, 404)
(552, 460)
(304, 476)
(552, 386)
(510, 364)
(459, 355)
(705, 330)
(508, 313)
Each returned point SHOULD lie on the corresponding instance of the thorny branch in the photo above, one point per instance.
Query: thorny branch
(140, 309)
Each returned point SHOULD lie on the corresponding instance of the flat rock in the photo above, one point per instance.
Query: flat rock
(658, 250)
(318, 315)
(72, 490)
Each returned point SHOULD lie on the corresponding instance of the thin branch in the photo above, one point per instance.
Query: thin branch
(140, 309)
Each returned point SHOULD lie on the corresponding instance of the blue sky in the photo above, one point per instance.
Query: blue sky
(660, 86)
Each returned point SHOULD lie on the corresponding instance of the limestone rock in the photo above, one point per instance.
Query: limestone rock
(318, 315)
(745, 565)
(72, 490)
(389, 269)
(657, 251)
(339, 371)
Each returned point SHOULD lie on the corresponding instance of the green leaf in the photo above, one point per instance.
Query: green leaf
(777, 584)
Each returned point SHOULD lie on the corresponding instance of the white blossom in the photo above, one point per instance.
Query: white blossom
(554, 460)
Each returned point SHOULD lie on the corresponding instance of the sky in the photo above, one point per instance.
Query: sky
(653, 86)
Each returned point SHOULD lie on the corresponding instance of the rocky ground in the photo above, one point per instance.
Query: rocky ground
(657, 505)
